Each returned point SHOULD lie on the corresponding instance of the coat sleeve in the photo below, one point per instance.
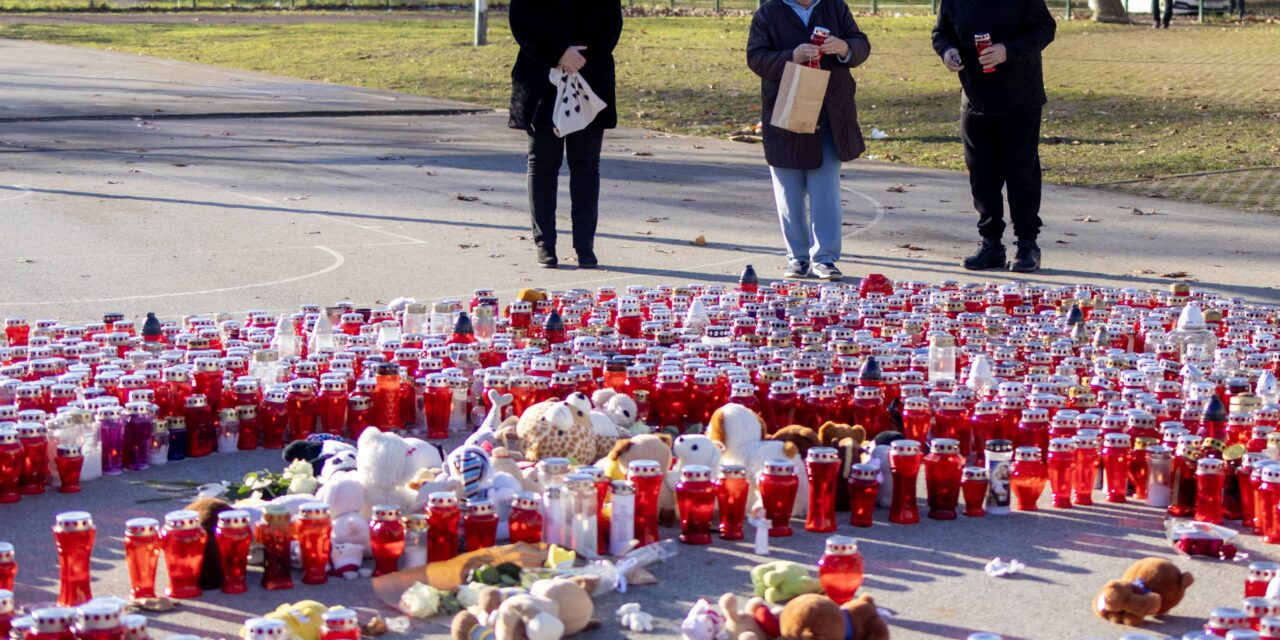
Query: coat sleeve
(537, 38)
(1039, 30)
(944, 31)
(762, 56)
(859, 45)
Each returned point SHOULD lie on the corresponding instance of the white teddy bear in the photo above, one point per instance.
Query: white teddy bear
(346, 501)
(690, 449)
(619, 407)
(385, 464)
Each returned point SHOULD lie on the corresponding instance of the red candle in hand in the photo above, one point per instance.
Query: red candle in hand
(184, 540)
(69, 461)
(732, 491)
(646, 476)
(942, 470)
(973, 484)
(823, 466)
(73, 536)
(315, 544)
(1115, 463)
(1028, 477)
(1209, 483)
(142, 555)
(778, 486)
(480, 526)
(696, 497)
(840, 569)
(1061, 464)
(233, 537)
(863, 488)
(904, 463)
(386, 539)
(525, 521)
(443, 515)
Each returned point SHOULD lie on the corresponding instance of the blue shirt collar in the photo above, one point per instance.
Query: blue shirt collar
(803, 12)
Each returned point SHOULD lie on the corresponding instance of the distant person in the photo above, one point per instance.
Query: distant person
(1168, 13)
(577, 36)
(1000, 103)
(808, 166)
(1236, 7)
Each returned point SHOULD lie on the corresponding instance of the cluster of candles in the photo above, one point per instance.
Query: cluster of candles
(1258, 618)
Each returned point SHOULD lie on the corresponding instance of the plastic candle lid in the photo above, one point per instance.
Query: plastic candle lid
(841, 546)
(100, 615)
(695, 473)
(265, 628)
(141, 527)
(905, 448)
(6, 552)
(74, 521)
(385, 512)
(779, 466)
(644, 468)
(945, 446)
(182, 520)
(438, 499)
(233, 519)
(823, 454)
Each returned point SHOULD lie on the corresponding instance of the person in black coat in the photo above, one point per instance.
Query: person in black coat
(808, 165)
(1000, 104)
(577, 36)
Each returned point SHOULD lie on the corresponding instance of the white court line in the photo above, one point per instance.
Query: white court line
(183, 251)
(338, 260)
(17, 196)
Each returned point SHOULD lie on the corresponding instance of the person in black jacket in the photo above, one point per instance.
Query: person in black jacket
(1003, 92)
(578, 36)
(808, 165)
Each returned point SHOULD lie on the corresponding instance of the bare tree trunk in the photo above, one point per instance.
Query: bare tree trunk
(1109, 11)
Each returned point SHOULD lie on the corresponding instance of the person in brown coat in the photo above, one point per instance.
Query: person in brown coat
(808, 165)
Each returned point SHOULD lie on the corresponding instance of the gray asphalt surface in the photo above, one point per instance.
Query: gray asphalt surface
(233, 213)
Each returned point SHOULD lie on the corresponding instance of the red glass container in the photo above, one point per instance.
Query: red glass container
(8, 566)
(386, 397)
(69, 460)
(300, 408)
(973, 484)
(778, 485)
(480, 524)
(943, 468)
(12, 462)
(274, 418)
(1267, 498)
(233, 537)
(1260, 575)
(1028, 478)
(670, 400)
(869, 409)
(52, 623)
(780, 405)
(916, 418)
(183, 541)
(525, 520)
(696, 499)
(275, 533)
(1209, 485)
(315, 545)
(142, 555)
(1115, 464)
(1140, 467)
(100, 620)
(443, 516)
(904, 462)
(822, 464)
(248, 415)
(386, 539)
(73, 537)
(840, 570)
(1223, 619)
(1061, 464)
(646, 476)
(1033, 429)
(35, 457)
(6, 614)
(332, 406)
(863, 488)
(437, 405)
(339, 623)
(1086, 470)
(732, 490)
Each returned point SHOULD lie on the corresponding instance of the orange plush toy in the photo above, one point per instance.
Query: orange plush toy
(1149, 587)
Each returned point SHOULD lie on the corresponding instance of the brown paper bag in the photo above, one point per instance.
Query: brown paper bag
(800, 98)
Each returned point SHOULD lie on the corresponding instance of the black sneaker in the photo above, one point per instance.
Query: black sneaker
(826, 271)
(990, 255)
(587, 260)
(797, 271)
(547, 258)
(1027, 259)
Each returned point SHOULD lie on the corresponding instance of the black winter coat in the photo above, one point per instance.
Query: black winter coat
(1024, 27)
(776, 31)
(544, 29)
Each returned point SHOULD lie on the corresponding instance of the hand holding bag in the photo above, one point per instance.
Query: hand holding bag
(576, 104)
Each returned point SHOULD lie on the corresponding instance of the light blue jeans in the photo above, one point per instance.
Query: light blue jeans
(812, 237)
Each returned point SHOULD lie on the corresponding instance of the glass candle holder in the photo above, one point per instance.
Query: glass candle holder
(159, 453)
(233, 537)
(1209, 484)
(248, 439)
(386, 539)
(265, 629)
(1086, 470)
(315, 545)
(622, 513)
(480, 524)
(99, 620)
(70, 461)
(228, 430)
(999, 462)
(275, 534)
(443, 516)
(8, 566)
(840, 570)
(778, 485)
(1061, 465)
(696, 497)
(1028, 477)
(646, 477)
(863, 488)
(142, 555)
(202, 431)
(973, 484)
(6, 613)
(137, 435)
(73, 536)
(904, 463)
(274, 418)
(732, 491)
(1260, 575)
(943, 468)
(183, 541)
(822, 464)
(525, 520)
(1115, 464)
(601, 483)
(415, 540)
(916, 418)
(53, 623)
(339, 623)
(135, 626)
(583, 519)
(12, 462)
(35, 456)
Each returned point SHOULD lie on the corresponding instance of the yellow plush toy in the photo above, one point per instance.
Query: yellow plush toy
(302, 618)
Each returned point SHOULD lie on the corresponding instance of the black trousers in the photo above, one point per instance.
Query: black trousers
(547, 152)
(1168, 11)
(1003, 151)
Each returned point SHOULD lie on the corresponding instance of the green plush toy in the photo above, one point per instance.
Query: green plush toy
(780, 581)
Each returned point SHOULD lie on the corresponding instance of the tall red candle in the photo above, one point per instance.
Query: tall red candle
(35, 452)
(6, 612)
(386, 539)
(12, 460)
(233, 538)
(840, 570)
(822, 464)
(73, 536)
(1086, 469)
(696, 498)
(1209, 484)
(732, 491)
(1115, 463)
(8, 566)
(142, 555)
(1061, 464)
(443, 516)
(183, 541)
(480, 524)
(1028, 477)
(437, 405)
(274, 418)
(904, 463)
(863, 487)
(315, 544)
(646, 475)
(69, 460)
(778, 485)
(942, 474)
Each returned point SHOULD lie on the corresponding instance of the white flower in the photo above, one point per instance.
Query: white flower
(420, 601)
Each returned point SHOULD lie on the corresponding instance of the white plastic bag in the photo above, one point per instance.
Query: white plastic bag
(576, 104)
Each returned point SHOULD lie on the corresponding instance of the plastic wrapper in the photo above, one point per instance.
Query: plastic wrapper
(1191, 538)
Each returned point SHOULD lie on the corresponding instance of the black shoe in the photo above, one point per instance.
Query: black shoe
(796, 271)
(1027, 259)
(990, 255)
(547, 258)
(587, 260)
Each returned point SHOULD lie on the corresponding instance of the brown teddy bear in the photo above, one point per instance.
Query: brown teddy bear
(803, 438)
(816, 617)
(1149, 587)
(552, 609)
(848, 441)
(211, 569)
(648, 446)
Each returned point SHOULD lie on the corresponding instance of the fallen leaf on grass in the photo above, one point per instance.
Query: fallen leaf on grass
(700, 241)
(911, 247)
(641, 153)
(466, 198)
(899, 188)
(1175, 274)
(1144, 212)
(388, 158)
(1086, 219)
(469, 245)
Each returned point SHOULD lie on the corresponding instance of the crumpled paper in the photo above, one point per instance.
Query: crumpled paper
(998, 568)
(420, 601)
(633, 618)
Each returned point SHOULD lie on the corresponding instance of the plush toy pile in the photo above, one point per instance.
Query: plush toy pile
(692, 378)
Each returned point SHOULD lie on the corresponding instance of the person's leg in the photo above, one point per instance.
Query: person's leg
(789, 187)
(980, 135)
(1021, 142)
(1155, 12)
(583, 151)
(546, 152)
(824, 206)
(1168, 12)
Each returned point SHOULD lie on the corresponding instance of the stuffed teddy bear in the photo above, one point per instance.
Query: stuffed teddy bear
(1149, 587)
(656, 447)
(742, 433)
(692, 449)
(573, 595)
(601, 423)
(848, 441)
(817, 617)
(703, 622)
(345, 559)
(428, 481)
(211, 568)
(754, 621)
(803, 438)
(350, 514)
(781, 580)
(472, 467)
(556, 429)
(302, 618)
(504, 462)
(618, 406)
(384, 467)
(424, 454)
(550, 610)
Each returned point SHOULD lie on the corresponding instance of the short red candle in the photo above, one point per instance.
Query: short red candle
(863, 487)
(69, 460)
(823, 467)
(1209, 483)
(778, 486)
(142, 555)
(437, 405)
(732, 491)
(315, 545)
(1061, 465)
(525, 520)
(942, 470)
(386, 539)
(275, 533)
(339, 623)
(1028, 477)
(973, 484)
(840, 569)
(480, 525)
(73, 536)
(1115, 463)
(696, 498)
(1260, 575)
(8, 566)
(233, 537)
(1086, 469)
(183, 541)
(35, 455)
(916, 417)
(12, 461)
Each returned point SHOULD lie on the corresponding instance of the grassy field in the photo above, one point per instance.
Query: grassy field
(1127, 105)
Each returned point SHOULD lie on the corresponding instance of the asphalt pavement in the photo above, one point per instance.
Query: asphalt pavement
(134, 184)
